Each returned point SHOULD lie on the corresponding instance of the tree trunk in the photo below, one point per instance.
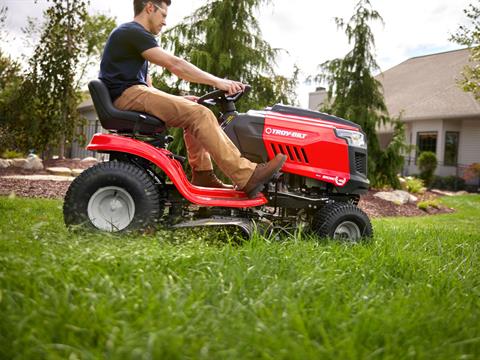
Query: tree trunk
(61, 149)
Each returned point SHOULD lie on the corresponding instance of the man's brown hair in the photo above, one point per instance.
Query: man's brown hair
(139, 5)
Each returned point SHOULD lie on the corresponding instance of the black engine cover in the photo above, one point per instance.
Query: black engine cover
(246, 132)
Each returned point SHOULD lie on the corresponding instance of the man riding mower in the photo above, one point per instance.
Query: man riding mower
(323, 158)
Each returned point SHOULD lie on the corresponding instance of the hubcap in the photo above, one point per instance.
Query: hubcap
(111, 209)
(347, 230)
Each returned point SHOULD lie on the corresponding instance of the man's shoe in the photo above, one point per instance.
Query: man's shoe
(263, 174)
(208, 179)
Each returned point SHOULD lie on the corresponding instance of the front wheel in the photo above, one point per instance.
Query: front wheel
(341, 221)
(113, 196)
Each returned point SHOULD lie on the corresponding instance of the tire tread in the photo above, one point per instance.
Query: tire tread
(77, 188)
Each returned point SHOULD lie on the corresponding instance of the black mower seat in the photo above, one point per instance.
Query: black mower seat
(121, 121)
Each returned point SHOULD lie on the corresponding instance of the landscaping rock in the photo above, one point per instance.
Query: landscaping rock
(19, 163)
(398, 197)
(448, 193)
(76, 172)
(59, 171)
(39, 177)
(89, 159)
(33, 163)
(4, 163)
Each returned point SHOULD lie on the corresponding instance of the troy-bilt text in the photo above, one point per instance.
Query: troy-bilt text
(297, 135)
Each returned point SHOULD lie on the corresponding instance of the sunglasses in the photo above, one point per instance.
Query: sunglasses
(156, 5)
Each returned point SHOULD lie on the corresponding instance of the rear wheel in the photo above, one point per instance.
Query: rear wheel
(342, 221)
(113, 196)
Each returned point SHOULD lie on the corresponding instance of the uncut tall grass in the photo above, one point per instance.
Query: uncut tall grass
(411, 293)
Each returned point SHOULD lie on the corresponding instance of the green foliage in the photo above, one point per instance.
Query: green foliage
(97, 29)
(3, 18)
(12, 154)
(355, 94)
(450, 183)
(389, 162)
(201, 295)
(45, 106)
(223, 37)
(413, 185)
(10, 80)
(39, 108)
(469, 36)
(353, 91)
(425, 205)
(427, 164)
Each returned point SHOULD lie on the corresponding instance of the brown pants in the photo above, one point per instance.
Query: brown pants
(203, 136)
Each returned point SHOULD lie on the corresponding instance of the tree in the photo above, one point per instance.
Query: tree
(53, 70)
(10, 80)
(469, 36)
(223, 37)
(355, 94)
(97, 29)
(41, 112)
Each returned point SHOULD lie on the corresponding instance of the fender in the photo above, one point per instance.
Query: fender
(173, 168)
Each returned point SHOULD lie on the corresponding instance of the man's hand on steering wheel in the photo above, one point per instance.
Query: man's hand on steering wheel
(229, 86)
(221, 96)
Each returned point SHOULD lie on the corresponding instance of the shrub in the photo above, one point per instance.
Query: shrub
(12, 154)
(427, 163)
(413, 185)
(450, 183)
(472, 172)
(424, 205)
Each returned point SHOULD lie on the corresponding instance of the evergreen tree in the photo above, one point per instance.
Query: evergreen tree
(223, 37)
(355, 94)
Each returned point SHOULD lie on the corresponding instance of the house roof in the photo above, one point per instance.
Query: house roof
(426, 87)
(86, 105)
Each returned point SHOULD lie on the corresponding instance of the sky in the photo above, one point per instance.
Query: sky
(304, 29)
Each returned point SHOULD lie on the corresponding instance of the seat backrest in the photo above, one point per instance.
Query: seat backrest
(123, 121)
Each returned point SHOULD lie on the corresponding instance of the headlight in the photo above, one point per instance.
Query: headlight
(354, 138)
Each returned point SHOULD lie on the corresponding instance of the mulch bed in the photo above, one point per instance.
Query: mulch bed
(373, 206)
(34, 189)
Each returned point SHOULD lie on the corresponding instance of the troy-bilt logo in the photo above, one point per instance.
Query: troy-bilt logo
(286, 133)
(337, 180)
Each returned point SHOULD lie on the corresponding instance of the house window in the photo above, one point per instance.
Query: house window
(451, 148)
(426, 141)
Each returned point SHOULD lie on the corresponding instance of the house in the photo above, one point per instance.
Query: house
(424, 92)
(92, 127)
(317, 98)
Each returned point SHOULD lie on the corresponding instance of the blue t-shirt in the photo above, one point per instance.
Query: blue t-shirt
(122, 64)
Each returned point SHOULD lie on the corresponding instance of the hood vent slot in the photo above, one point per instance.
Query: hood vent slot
(294, 153)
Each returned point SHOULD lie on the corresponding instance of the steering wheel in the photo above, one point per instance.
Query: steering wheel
(220, 97)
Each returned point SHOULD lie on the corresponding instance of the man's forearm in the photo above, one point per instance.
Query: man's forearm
(191, 73)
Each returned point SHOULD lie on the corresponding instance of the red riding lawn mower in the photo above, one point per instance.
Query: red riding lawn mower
(143, 184)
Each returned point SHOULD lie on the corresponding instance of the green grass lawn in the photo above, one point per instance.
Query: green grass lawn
(412, 292)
